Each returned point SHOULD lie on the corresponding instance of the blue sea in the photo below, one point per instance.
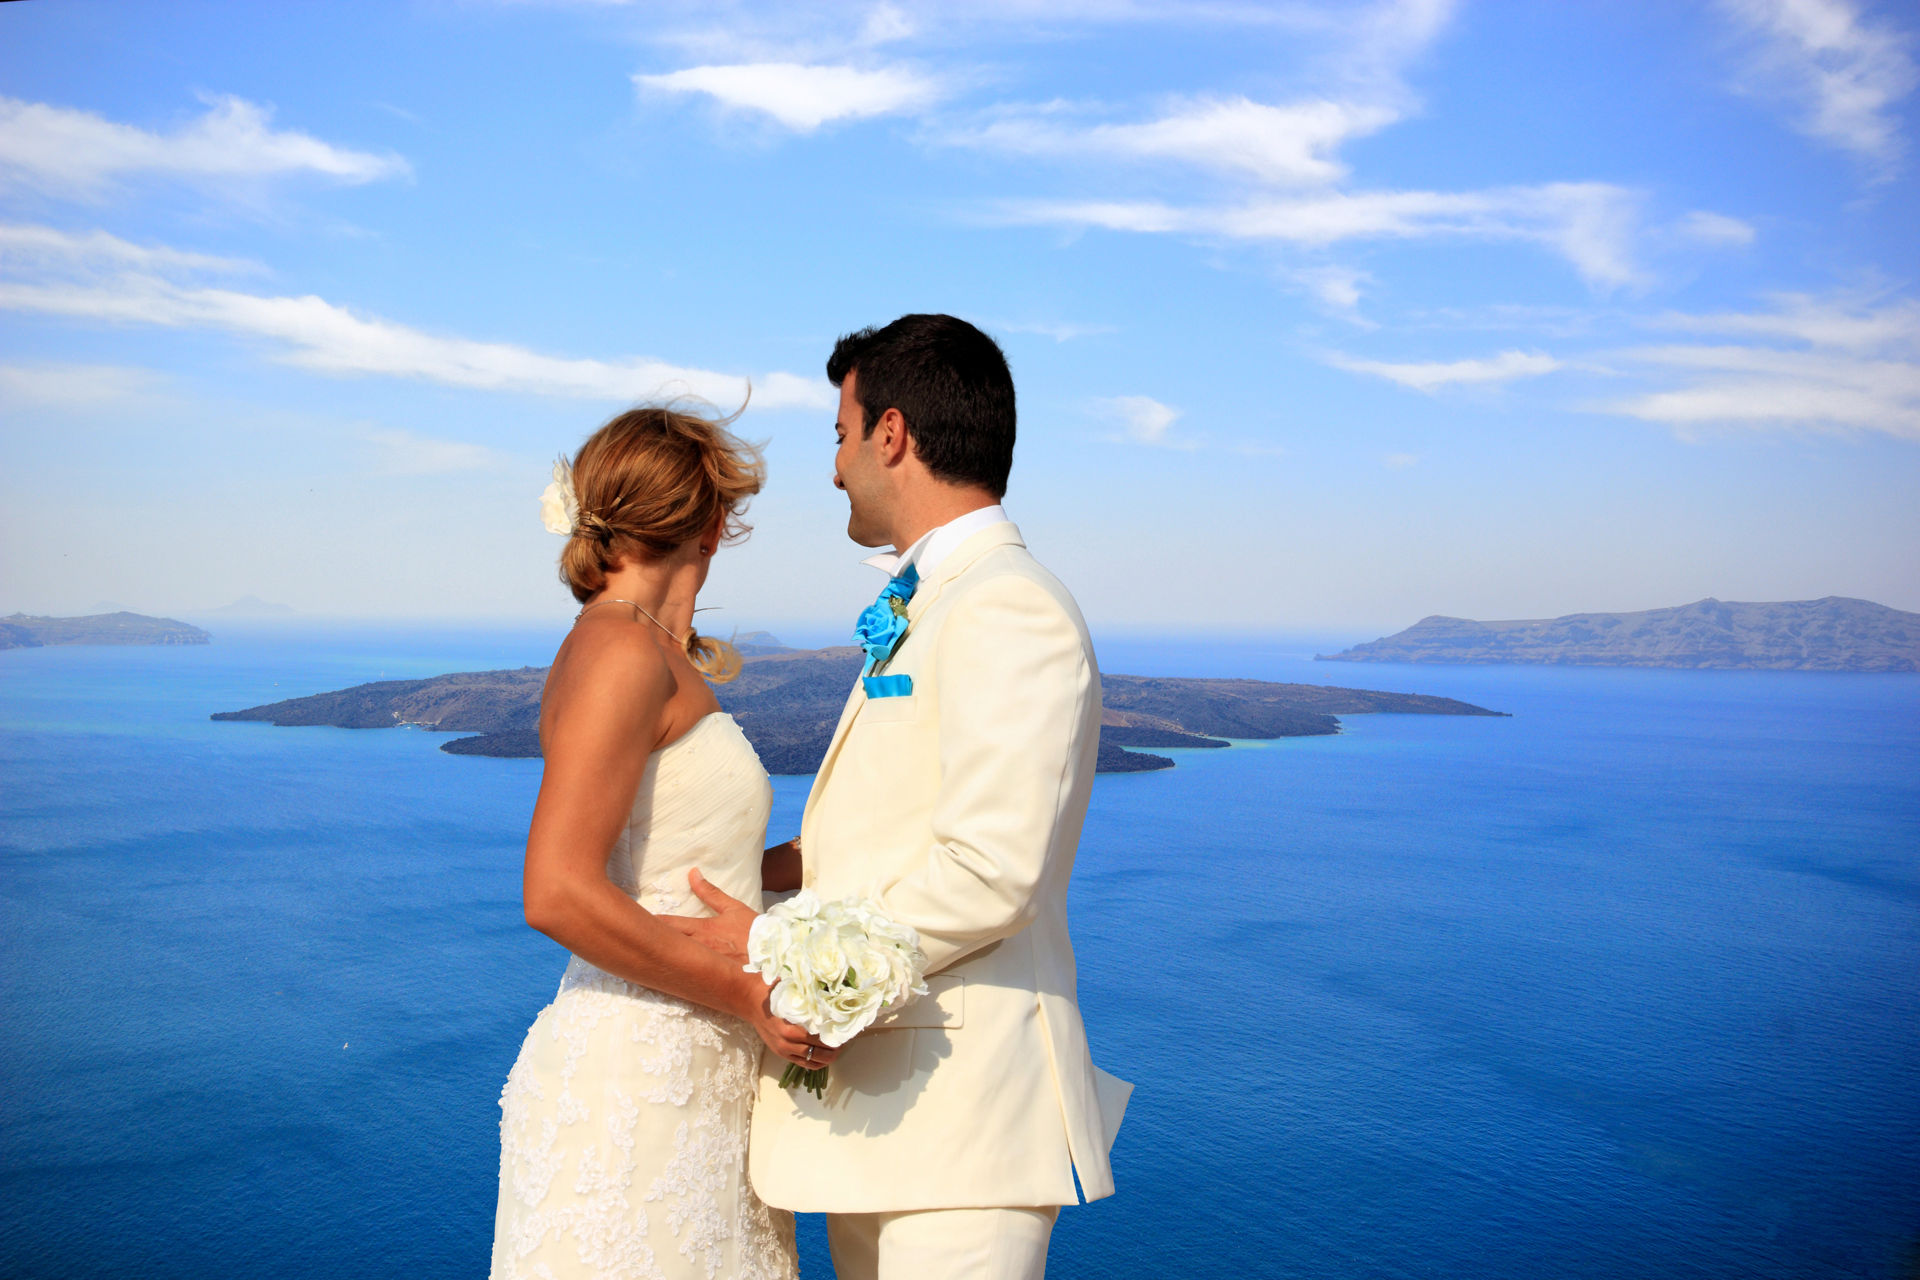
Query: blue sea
(1626, 986)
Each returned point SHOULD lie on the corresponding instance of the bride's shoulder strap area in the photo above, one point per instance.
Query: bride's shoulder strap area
(608, 680)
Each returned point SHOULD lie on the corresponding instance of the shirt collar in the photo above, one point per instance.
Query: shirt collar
(936, 545)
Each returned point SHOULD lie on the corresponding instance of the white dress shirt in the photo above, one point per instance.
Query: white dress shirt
(936, 545)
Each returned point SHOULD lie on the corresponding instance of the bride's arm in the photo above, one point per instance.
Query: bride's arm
(603, 716)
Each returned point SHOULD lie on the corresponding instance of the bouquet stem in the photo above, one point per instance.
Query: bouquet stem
(812, 1079)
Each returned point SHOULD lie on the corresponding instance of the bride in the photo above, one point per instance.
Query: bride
(624, 1120)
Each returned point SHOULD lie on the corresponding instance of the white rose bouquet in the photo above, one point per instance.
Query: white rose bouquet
(833, 967)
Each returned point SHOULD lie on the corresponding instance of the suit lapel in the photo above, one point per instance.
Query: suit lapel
(856, 698)
(996, 535)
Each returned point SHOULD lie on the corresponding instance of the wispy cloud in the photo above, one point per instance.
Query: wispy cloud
(1591, 224)
(1713, 229)
(1337, 288)
(1373, 45)
(1830, 365)
(1841, 73)
(31, 247)
(1144, 420)
(68, 152)
(887, 23)
(1430, 376)
(1362, 40)
(1277, 169)
(800, 96)
(72, 386)
(1400, 461)
(403, 453)
(1289, 145)
(1058, 332)
(1813, 321)
(1534, 320)
(315, 334)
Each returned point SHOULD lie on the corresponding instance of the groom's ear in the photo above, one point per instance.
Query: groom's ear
(891, 435)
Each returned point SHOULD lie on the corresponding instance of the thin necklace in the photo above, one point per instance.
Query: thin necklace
(679, 640)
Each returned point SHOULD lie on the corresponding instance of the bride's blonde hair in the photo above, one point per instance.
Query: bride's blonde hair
(649, 481)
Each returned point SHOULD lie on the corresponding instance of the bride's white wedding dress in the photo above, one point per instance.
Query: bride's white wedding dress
(623, 1128)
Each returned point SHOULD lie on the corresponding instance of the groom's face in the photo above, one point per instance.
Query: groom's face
(859, 471)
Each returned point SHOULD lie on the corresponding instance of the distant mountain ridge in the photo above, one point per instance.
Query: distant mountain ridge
(788, 701)
(26, 631)
(1832, 634)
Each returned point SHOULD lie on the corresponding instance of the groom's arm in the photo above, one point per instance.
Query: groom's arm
(780, 869)
(1015, 685)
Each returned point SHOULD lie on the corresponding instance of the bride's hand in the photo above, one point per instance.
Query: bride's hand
(789, 1040)
(726, 933)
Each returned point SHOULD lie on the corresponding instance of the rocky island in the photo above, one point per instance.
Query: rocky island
(1832, 634)
(25, 631)
(788, 701)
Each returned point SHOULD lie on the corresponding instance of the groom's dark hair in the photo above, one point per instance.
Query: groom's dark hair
(950, 383)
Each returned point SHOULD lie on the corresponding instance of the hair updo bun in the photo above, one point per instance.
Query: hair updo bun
(648, 482)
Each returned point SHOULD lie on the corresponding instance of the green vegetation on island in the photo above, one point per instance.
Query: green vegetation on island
(1832, 634)
(25, 631)
(788, 701)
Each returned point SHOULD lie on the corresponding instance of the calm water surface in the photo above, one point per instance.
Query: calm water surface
(1627, 985)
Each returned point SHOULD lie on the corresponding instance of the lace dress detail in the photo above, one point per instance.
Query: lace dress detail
(623, 1125)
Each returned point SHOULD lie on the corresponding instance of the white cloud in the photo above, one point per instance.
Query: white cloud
(1058, 332)
(1432, 375)
(1740, 387)
(328, 338)
(402, 453)
(323, 336)
(1383, 38)
(1284, 157)
(1357, 39)
(75, 385)
(1337, 288)
(36, 247)
(1144, 420)
(1286, 182)
(1714, 229)
(69, 152)
(1400, 461)
(1290, 145)
(1591, 224)
(886, 23)
(1844, 74)
(1831, 366)
(1817, 323)
(803, 97)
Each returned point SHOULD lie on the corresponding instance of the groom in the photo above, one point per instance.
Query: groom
(953, 793)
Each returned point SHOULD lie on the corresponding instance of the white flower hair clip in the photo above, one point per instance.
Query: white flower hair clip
(559, 504)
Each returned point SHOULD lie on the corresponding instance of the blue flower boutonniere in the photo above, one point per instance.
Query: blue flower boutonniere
(883, 624)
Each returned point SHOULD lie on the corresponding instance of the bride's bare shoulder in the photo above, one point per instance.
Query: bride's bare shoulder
(608, 662)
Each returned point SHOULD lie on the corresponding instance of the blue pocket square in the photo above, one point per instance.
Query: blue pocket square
(887, 686)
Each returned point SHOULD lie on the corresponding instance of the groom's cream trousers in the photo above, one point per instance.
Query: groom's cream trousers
(941, 1244)
(958, 807)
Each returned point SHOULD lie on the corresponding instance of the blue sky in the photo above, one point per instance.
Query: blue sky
(1324, 317)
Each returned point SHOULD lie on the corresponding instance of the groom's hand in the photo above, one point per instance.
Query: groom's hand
(726, 932)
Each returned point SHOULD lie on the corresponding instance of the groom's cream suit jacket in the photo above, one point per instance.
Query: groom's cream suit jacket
(959, 808)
